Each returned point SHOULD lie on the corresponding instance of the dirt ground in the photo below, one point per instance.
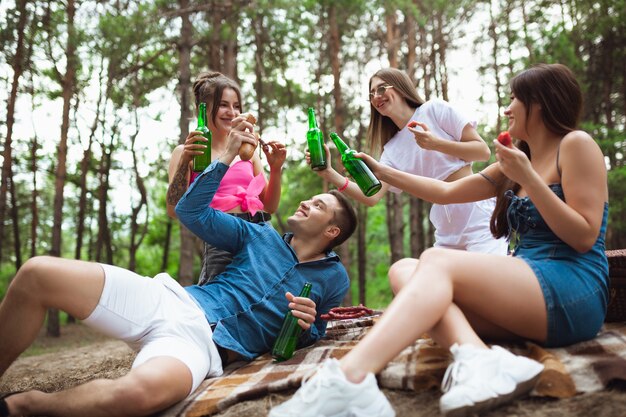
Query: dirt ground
(81, 355)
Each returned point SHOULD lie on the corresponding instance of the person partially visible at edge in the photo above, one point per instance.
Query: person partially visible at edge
(552, 196)
(243, 192)
(184, 335)
(442, 145)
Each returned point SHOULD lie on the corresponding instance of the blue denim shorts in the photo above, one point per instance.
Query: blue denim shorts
(575, 296)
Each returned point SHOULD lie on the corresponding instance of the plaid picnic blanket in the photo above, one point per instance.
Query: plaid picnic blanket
(583, 367)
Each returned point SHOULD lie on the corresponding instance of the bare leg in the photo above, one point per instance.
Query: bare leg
(146, 389)
(445, 284)
(43, 282)
(400, 273)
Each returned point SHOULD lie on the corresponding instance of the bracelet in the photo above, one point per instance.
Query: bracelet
(343, 187)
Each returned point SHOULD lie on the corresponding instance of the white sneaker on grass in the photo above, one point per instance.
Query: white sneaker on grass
(480, 379)
(329, 394)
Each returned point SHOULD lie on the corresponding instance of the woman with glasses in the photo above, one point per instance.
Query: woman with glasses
(430, 139)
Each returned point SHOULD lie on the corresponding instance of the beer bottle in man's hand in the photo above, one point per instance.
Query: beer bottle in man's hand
(285, 343)
(315, 142)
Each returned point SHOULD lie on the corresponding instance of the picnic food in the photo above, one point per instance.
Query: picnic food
(412, 123)
(246, 150)
(505, 138)
(345, 313)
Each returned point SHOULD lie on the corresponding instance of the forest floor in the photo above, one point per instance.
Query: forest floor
(80, 355)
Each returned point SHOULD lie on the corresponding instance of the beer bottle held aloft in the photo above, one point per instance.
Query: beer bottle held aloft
(358, 170)
(200, 162)
(285, 343)
(315, 142)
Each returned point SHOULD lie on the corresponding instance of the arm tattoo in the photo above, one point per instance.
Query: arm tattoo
(178, 185)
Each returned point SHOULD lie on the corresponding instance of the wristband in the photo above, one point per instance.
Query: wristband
(343, 187)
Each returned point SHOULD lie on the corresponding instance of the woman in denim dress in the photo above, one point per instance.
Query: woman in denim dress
(552, 199)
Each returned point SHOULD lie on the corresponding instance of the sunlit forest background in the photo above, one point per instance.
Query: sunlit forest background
(107, 71)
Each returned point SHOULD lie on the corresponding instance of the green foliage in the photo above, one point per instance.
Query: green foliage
(283, 51)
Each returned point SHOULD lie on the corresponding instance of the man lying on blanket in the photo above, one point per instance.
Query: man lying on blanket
(180, 332)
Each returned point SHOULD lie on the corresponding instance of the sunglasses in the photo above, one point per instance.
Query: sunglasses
(379, 91)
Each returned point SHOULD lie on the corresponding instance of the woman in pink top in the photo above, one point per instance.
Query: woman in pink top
(243, 191)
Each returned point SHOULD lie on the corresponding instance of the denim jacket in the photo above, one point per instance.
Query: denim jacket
(246, 302)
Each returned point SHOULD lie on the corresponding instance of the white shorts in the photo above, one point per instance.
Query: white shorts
(466, 227)
(157, 317)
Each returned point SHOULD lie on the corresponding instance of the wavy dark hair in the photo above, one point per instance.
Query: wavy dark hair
(382, 128)
(553, 87)
(208, 88)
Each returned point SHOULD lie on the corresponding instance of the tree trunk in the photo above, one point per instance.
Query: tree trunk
(394, 201)
(362, 252)
(84, 170)
(395, 226)
(17, 246)
(230, 43)
(135, 240)
(441, 52)
(259, 84)
(68, 84)
(166, 245)
(18, 67)
(392, 38)
(335, 63)
(185, 267)
(496, 67)
(103, 241)
(411, 42)
(33, 202)
(416, 227)
(338, 122)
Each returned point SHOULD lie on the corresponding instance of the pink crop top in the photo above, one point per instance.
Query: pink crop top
(239, 187)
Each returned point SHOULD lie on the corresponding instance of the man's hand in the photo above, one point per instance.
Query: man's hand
(303, 309)
(324, 173)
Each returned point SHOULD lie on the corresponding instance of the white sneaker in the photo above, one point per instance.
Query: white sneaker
(480, 379)
(329, 394)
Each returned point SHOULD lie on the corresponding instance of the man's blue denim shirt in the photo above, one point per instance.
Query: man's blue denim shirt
(247, 301)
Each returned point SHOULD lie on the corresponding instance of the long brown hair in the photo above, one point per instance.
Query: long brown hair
(382, 128)
(555, 90)
(208, 88)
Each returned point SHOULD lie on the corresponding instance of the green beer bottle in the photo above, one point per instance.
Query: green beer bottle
(287, 339)
(315, 141)
(358, 170)
(200, 162)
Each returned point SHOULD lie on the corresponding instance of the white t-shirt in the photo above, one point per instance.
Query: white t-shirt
(403, 154)
(461, 226)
